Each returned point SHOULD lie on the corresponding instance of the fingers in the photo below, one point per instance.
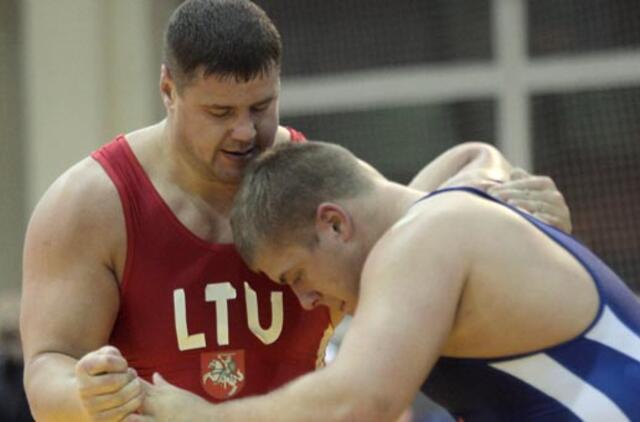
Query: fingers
(548, 197)
(108, 388)
(531, 206)
(152, 391)
(106, 359)
(158, 380)
(120, 412)
(103, 371)
(114, 405)
(145, 385)
(150, 388)
(549, 207)
(520, 179)
(138, 418)
(112, 400)
(104, 383)
(537, 195)
(538, 183)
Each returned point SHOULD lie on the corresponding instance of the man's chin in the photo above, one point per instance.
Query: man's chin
(228, 177)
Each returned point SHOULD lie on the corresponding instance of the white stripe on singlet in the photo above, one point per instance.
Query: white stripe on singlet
(545, 374)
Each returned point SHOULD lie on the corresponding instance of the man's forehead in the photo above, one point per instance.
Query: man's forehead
(268, 76)
(227, 91)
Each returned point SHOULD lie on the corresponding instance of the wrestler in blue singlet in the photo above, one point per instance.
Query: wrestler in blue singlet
(593, 377)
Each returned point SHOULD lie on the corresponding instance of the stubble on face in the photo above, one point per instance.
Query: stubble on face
(224, 124)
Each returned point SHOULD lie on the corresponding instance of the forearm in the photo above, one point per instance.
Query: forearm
(323, 396)
(51, 388)
(465, 161)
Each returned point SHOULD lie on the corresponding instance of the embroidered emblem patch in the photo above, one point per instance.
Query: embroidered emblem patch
(222, 373)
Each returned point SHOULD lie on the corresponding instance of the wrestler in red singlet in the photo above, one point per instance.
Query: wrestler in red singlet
(192, 311)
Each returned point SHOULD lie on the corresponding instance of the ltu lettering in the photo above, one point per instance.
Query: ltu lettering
(221, 294)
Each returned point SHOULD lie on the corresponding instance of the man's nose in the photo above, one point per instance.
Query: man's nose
(244, 128)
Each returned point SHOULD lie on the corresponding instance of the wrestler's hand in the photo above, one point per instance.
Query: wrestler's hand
(537, 195)
(165, 402)
(108, 388)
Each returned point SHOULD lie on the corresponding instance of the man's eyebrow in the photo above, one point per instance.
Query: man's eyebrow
(216, 106)
(227, 107)
(265, 101)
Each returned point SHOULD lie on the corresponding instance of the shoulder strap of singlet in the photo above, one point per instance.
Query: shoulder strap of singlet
(485, 195)
(459, 188)
(122, 166)
(133, 186)
(296, 136)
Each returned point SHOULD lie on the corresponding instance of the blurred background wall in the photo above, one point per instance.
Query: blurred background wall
(13, 206)
(554, 83)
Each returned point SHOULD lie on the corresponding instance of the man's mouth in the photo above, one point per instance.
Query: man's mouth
(240, 154)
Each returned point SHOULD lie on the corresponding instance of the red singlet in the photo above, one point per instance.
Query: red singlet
(192, 311)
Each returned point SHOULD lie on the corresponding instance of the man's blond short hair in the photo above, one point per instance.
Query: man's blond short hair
(282, 189)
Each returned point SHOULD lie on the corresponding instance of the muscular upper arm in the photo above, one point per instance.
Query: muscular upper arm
(70, 292)
(410, 288)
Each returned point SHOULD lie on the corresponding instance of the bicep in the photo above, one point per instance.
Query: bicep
(70, 295)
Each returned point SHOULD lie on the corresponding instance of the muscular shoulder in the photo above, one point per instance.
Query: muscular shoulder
(450, 227)
(83, 191)
(441, 218)
(80, 207)
(459, 214)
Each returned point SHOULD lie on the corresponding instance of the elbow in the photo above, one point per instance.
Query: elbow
(480, 155)
(38, 388)
(476, 148)
(38, 412)
(31, 392)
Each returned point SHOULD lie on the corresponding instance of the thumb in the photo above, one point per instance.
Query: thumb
(159, 381)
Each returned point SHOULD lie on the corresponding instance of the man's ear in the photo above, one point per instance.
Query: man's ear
(334, 221)
(167, 87)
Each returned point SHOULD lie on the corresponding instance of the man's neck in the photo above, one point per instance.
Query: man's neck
(185, 176)
(384, 207)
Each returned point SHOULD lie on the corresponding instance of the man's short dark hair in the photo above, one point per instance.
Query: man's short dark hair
(227, 38)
